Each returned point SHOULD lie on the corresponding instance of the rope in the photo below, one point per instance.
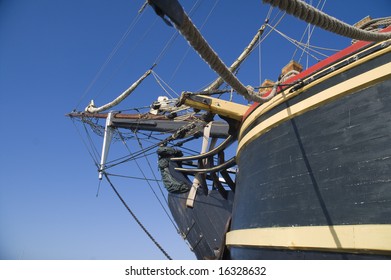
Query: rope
(128, 158)
(188, 49)
(125, 60)
(124, 203)
(91, 153)
(195, 39)
(131, 177)
(308, 30)
(92, 109)
(157, 182)
(376, 23)
(246, 52)
(299, 45)
(174, 36)
(136, 219)
(159, 81)
(313, 16)
(111, 55)
(259, 61)
(184, 131)
(199, 44)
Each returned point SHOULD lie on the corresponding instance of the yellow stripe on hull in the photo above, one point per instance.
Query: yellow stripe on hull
(339, 238)
(352, 85)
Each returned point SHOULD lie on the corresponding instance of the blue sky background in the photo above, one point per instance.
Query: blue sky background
(50, 54)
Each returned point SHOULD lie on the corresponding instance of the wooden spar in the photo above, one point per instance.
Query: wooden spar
(117, 116)
(221, 107)
(156, 123)
(107, 137)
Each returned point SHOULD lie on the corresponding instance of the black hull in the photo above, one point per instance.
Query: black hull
(314, 179)
(312, 184)
(204, 225)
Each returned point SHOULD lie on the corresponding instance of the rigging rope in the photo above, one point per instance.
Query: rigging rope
(261, 39)
(91, 153)
(131, 157)
(188, 49)
(299, 45)
(247, 51)
(131, 177)
(111, 55)
(136, 219)
(278, 21)
(92, 109)
(310, 29)
(174, 36)
(149, 184)
(126, 59)
(159, 81)
(195, 39)
(154, 175)
(185, 131)
(313, 16)
(233, 68)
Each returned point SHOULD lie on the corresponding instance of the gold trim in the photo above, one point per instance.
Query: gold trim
(349, 86)
(351, 238)
(286, 95)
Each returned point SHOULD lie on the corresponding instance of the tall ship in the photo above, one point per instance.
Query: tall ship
(300, 169)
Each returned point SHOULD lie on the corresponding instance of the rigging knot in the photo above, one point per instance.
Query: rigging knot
(90, 106)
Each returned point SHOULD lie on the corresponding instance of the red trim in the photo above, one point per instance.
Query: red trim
(322, 64)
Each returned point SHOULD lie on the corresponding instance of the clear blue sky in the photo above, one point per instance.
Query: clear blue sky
(50, 52)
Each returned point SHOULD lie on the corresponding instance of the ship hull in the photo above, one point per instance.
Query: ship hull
(314, 177)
